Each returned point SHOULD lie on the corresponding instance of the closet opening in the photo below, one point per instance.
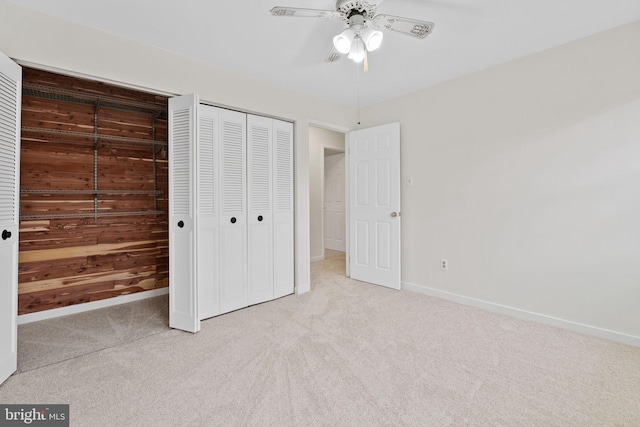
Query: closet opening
(327, 194)
(93, 193)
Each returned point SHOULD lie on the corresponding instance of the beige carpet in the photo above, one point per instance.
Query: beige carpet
(347, 353)
(55, 340)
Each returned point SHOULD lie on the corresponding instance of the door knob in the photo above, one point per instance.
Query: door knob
(394, 214)
(6, 234)
(233, 220)
(260, 218)
(180, 224)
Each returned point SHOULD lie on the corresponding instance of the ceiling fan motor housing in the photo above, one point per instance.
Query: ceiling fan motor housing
(356, 22)
(350, 8)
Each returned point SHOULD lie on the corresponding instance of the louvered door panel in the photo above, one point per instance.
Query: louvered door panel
(10, 90)
(207, 213)
(260, 215)
(283, 245)
(233, 218)
(9, 153)
(181, 156)
(183, 300)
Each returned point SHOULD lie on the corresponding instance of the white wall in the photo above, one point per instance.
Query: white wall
(318, 140)
(33, 37)
(527, 179)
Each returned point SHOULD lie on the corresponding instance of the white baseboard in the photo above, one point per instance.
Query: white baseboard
(81, 308)
(317, 258)
(526, 315)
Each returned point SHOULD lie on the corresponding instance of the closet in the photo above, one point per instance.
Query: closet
(93, 185)
(230, 210)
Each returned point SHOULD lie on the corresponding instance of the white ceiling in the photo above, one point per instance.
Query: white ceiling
(241, 35)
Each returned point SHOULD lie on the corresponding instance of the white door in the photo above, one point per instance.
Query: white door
(283, 248)
(207, 213)
(334, 234)
(374, 205)
(260, 213)
(10, 92)
(183, 297)
(233, 216)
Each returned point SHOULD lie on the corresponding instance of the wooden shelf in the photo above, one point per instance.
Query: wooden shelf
(93, 192)
(48, 92)
(89, 215)
(95, 138)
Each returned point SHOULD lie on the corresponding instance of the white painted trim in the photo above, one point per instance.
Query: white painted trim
(317, 258)
(328, 126)
(81, 308)
(322, 197)
(301, 222)
(347, 202)
(525, 315)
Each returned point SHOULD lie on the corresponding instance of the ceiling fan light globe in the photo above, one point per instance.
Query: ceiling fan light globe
(341, 44)
(357, 50)
(343, 41)
(356, 58)
(374, 41)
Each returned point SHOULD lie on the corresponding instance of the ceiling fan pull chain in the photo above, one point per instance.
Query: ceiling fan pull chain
(358, 85)
(366, 61)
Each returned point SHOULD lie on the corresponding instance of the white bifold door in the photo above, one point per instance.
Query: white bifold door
(260, 210)
(183, 115)
(241, 190)
(270, 208)
(10, 98)
(233, 211)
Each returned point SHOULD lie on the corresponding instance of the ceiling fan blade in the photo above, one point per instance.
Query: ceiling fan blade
(375, 3)
(412, 27)
(333, 55)
(304, 13)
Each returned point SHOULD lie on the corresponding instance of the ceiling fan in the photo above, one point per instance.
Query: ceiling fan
(362, 34)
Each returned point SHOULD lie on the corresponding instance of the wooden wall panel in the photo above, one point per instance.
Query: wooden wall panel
(68, 260)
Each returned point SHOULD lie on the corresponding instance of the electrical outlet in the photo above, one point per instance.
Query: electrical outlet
(444, 264)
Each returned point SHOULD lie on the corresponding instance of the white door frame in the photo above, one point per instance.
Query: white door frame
(344, 130)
